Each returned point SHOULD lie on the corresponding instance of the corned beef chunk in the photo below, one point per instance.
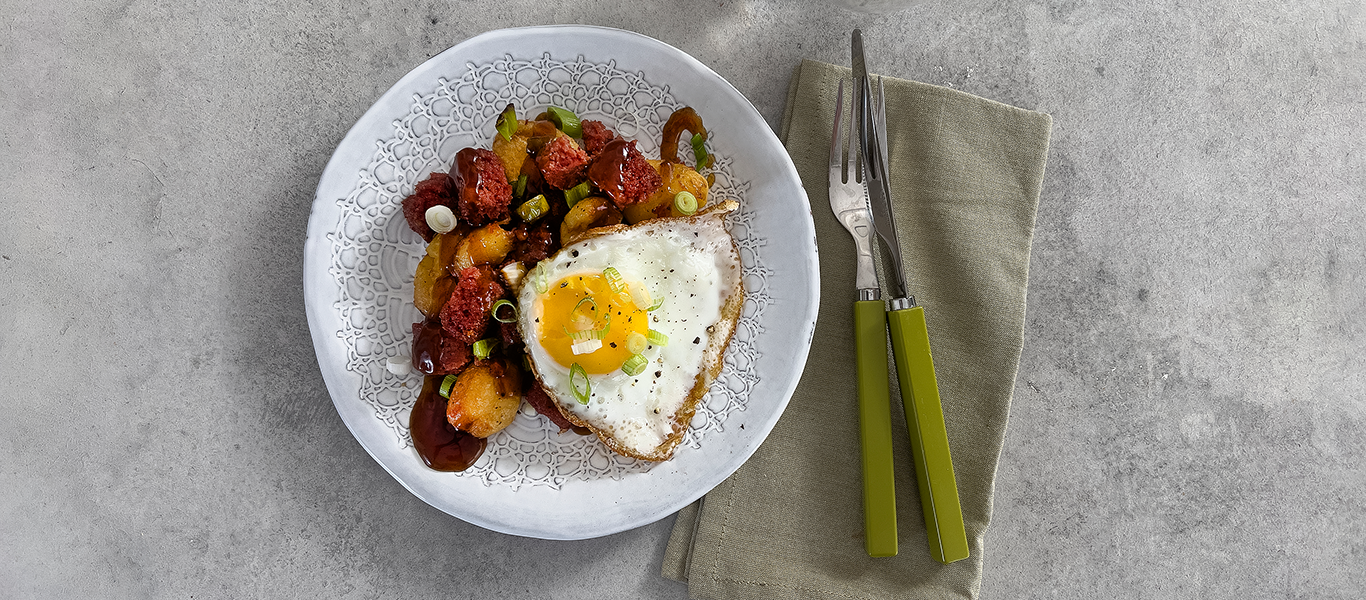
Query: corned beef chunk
(437, 188)
(623, 174)
(484, 193)
(562, 162)
(466, 314)
(595, 136)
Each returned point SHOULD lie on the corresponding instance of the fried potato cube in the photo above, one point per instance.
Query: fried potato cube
(512, 153)
(593, 211)
(487, 245)
(433, 281)
(677, 178)
(484, 401)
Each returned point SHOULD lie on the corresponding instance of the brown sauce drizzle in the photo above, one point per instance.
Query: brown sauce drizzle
(682, 119)
(427, 346)
(442, 447)
(607, 171)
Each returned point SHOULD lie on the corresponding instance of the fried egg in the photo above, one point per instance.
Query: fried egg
(626, 328)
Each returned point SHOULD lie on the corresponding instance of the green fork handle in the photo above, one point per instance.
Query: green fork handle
(929, 439)
(875, 427)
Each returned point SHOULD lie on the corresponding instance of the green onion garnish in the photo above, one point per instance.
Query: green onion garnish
(534, 208)
(635, 343)
(658, 303)
(614, 281)
(686, 203)
(699, 151)
(507, 123)
(581, 320)
(573, 195)
(519, 188)
(483, 347)
(585, 346)
(583, 323)
(584, 335)
(499, 304)
(634, 365)
(446, 385)
(656, 338)
(576, 372)
(566, 120)
(640, 296)
(538, 279)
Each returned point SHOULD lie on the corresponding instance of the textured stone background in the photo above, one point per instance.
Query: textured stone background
(1188, 415)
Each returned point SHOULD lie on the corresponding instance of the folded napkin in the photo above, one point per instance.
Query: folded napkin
(965, 178)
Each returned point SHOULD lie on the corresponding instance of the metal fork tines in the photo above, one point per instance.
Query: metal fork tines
(849, 197)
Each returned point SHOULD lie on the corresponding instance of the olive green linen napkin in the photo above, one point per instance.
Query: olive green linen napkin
(965, 179)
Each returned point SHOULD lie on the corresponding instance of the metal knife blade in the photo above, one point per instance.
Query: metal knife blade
(872, 126)
(860, 71)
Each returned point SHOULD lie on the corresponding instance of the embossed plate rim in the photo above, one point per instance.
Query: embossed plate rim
(582, 510)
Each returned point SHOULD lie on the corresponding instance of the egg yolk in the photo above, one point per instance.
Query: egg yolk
(563, 310)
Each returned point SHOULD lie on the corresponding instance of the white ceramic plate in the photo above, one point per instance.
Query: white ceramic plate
(360, 256)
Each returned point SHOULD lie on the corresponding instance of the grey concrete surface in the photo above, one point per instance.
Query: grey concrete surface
(1187, 420)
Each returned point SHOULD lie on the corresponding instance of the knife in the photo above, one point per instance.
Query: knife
(910, 340)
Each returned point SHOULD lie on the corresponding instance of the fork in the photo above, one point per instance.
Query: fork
(849, 202)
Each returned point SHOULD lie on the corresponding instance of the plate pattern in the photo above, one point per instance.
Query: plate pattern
(374, 253)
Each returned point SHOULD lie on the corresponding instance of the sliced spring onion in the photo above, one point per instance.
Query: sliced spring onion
(483, 347)
(614, 281)
(534, 208)
(500, 304)
(635, 343)
(538, 279)
(576, 374)
(507, 123)
(584, 335)
(634, 365)
(658, 303)
(640, 296)
(566, 120)
(573, 195)
(607, 325)
(582, 320)
(440, 218)
(399, 365)
(585, 346)
(686, 203)
(656, 338)
(699, 151)
(519, 188)
(446, 385)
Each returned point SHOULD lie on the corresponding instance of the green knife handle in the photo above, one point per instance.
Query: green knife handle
(929, 439)
(875, 427)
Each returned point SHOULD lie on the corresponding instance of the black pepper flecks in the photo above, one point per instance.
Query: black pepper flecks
(697, 340)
